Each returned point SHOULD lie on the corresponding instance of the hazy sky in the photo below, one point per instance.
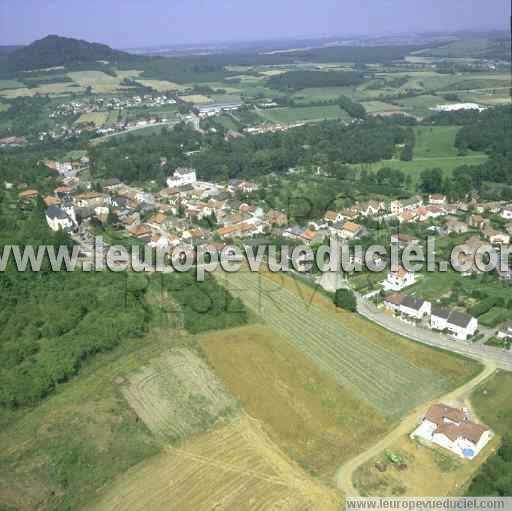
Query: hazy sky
(131, 23)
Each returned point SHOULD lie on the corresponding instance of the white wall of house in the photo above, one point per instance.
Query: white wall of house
(437, 323)
(463, 333)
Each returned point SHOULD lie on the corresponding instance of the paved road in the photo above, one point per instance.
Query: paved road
(345, 473)
(502, 358)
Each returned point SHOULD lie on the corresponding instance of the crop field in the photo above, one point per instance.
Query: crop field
(98, 118)
(303, 114)
(430, 471)
(295, 401)
(100, 82)
(234, 467)
(11, 84)
(346, 347)
(378, 107)
(52, 89)
(420, 105)
(319, 94)
(160, 85)
(196, 98)
(177, 395)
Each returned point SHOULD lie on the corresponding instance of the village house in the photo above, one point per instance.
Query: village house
(28, 195)
(505, 331)
(403, 240)
(351, 230)
(182, 177)
(477, 222)
(277, 218)
(92, 200)
(392, 302)
(454, 226)
(398, 280)
(457, 324)
(141, 231)
(414, 308)
(437, 199)
(50, 200)
(58, 219)
(237, 231)
(496, 237)
(506, 213)
(450, 428)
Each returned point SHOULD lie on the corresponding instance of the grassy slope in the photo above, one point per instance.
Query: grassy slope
(60, 453)
(491, 402)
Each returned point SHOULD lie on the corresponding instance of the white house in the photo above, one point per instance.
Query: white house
(439, 318)
(505, 332)
(398, 280)
(414, 308)
(506, 213)
(58, 219)
(461, 326)
(182, 177)
(450, 428)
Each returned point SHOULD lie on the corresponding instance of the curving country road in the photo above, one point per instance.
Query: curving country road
(344, 474)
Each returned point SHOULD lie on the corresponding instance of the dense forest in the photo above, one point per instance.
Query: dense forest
(297, 80)
(53, 51)
(52, 322)
(136, 159)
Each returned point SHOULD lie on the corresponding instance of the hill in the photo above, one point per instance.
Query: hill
(53, 51)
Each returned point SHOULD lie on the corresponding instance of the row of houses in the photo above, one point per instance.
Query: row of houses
(415, 310)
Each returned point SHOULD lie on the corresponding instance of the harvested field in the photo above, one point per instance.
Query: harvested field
(351, 350)
(315, 421)
(177, 395)
(235, 467)
(195, 98)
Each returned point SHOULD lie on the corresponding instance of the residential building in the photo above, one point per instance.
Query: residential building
(437, 199)
(461, 326)
(351, 230)
(505, 331)
(450, 428)
(392, 302)
(58, 219)
(414, 308)
(182, 177)
(274, 217)
(398, 280)
(506, 212)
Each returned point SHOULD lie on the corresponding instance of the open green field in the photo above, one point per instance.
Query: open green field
(491, 401)
(11, 84)
(318, 94)
(420, 105)
(414, 168)
(56, 456)
(295, 401)
(98, 118)
(435, 141)
(436, 285)
(303, 114)
(380, 107)
(391, 374)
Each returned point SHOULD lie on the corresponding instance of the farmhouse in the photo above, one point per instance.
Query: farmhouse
(398, 280)
(450, 428)
(182, 177)
(506, 213)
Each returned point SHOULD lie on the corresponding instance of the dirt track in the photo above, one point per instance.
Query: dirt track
(344, 474)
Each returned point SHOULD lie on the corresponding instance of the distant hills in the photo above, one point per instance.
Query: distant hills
(53, 51)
